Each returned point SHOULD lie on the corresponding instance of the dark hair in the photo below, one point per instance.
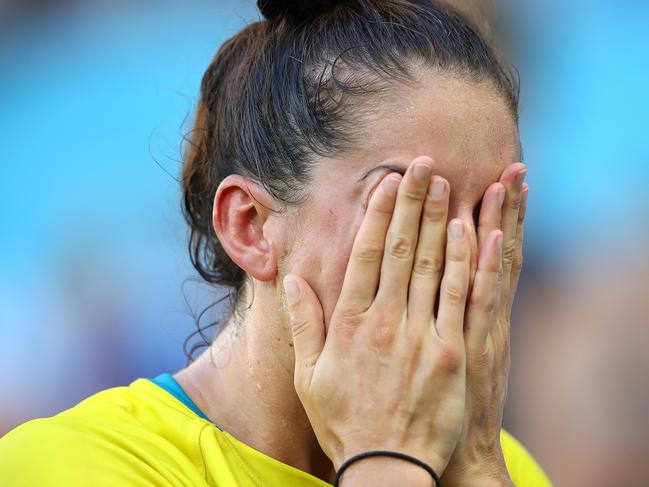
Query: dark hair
(295, 85)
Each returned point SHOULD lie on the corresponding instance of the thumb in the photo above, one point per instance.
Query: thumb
(307, 328)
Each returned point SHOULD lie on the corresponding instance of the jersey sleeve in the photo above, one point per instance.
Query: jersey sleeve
(521, 465)
(53, 452)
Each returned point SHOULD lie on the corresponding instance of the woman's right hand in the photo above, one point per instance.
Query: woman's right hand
(390, 375)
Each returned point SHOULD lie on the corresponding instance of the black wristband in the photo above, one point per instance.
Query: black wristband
(386, 453)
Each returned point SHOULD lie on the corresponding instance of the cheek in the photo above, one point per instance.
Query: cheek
(323, 254)
(335, 253)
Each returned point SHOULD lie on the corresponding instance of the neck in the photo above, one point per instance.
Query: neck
(244, 384)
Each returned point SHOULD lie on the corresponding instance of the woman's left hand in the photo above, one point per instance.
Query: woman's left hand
(478, 458)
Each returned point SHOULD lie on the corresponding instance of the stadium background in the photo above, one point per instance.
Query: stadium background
(96, 288)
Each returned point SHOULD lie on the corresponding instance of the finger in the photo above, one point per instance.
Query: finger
(518, 253)
(449, 322)
(513, 180)
(401, 240)
(484, 295)
(307, 328)
(429, 256)
(490, 212)
(363, 270)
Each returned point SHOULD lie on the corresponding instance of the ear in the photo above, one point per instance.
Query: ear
(241, 207)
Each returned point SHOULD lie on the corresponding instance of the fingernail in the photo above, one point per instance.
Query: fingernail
(520, 177)
(436, 190)
(501, 197)
(391, 184)
(457, 229)
(291, 290)
(423, 171)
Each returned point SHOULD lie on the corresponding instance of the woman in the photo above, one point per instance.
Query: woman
(353, 177)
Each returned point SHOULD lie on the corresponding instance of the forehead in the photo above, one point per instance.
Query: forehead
(466, 126)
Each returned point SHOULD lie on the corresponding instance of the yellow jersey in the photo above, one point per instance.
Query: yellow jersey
(150, 433)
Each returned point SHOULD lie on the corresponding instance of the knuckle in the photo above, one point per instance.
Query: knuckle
(455, 255)
(347, 323)
(349, 318)
(299, 326)
(450, 359)
(485, 303)
(454, 293)
(509, 249)
(518, 258)
(369, 253)
(384, 336)
(411, 193)
(427, 266)
(382, 209)
(415, 346)
(514, 201)
(479, 362)
(517, 263)
(400, 247)
(435, 211)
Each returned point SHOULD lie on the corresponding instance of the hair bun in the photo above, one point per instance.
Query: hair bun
(296, 10)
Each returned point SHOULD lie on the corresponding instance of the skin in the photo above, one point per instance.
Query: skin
(465, 132)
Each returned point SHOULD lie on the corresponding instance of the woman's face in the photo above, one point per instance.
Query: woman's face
(465, 127)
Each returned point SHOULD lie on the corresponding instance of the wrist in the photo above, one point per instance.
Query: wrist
(385, 471)
(490, 482)
(427, 456)
(500, 479)
(485, 480)
(486, 473)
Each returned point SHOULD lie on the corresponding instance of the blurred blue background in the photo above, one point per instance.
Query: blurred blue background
(94, 99)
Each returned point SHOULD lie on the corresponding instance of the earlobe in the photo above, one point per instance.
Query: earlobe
(241, 208)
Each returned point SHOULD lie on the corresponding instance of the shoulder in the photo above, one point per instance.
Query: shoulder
(50, 451)
(120, 436)
(523, 469)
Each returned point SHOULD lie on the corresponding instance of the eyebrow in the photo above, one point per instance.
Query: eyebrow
(392, 167)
